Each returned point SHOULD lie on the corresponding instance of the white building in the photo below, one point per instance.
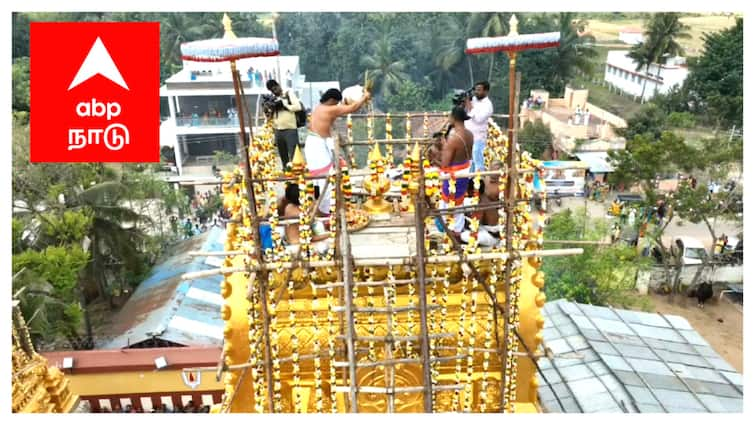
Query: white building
(198, 105)
(621, 72)
(631, 35)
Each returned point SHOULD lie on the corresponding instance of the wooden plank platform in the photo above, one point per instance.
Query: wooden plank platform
(382, 239)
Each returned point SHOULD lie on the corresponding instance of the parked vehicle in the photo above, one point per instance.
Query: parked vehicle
(690, 250)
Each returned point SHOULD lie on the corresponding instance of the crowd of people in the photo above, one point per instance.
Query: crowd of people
(258, 76)
(202, 216)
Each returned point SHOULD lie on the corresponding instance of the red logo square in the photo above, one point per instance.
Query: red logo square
(95, 90)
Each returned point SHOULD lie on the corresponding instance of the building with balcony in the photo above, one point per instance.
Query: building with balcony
(588, 137)
(572, 128)
(199, 113)
(621, 73)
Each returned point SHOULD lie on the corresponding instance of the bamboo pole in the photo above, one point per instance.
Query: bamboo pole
(348, 278)
(385, 309)
(241, 104)
(419, 214)
(404, 390)
(511, 186)
(406, 261)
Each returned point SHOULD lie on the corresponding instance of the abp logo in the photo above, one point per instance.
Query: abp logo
(95, 92)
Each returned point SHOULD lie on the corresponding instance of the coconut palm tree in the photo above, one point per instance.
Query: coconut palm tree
(177, 28)
(114, 233)
(452, 44)
(662, 32)
(386, 72)
(489, 25)
(575, 52)
(644, 56)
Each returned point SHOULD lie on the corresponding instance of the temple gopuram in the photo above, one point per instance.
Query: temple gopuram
(392, 312)
(37, 386)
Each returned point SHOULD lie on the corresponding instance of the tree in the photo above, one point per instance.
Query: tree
(177, 28)
(20, 71)
(408, 97)
(662, 32)
(493, 25)
(452, 46)
(644, 56)
(601, 275)
(536, 138)
(650, 120)
(643, 160)
(50, 281)
(715, 159)
(381, 67)
(715, 82)
(575, 51)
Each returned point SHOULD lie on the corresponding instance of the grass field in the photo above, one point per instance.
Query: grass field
(607, 32)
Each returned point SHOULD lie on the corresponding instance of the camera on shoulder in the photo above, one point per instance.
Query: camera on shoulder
(271, 104)
(461, 96)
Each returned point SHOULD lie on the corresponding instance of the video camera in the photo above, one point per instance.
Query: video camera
(460, 96)
(270, 104)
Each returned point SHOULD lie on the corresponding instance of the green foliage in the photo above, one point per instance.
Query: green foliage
(408, 97)
(425, 48)
(70, 227)
(649, 121)
(646, 157)
(58, 265)
(20, 72)
(535, 138)
(715, 82)
(662, 32)
(18, 230)
(600, 276)
(680, 120)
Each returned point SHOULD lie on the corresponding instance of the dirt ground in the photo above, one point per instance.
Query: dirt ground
(720, 323)
(608, 31)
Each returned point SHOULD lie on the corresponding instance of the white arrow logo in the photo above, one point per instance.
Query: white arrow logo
(98, 61)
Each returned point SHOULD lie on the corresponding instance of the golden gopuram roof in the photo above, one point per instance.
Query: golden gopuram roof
(37, 386)
(387, 317)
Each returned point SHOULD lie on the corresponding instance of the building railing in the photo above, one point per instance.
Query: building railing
(206, 121)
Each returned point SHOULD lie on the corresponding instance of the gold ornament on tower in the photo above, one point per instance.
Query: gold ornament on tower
(377, 185)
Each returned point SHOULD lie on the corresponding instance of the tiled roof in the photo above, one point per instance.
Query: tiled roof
(609, 360)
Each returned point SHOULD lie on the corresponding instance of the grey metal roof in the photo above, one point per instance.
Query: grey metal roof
(185, 313)
(609, 360)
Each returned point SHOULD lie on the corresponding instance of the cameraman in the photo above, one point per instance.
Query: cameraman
(284, 121)
(479, 108)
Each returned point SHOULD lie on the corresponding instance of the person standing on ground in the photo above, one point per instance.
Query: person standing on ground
(480, 109)
(284, 121)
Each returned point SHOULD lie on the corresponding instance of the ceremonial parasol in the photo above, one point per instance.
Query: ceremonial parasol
(231, 48)
(511, 44)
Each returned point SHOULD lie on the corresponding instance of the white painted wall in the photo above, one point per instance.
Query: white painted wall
(621, 72)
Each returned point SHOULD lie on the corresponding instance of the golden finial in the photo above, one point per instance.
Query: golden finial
(375, 155)
(415, 153)
(229, 35)
(298, 163)
(513, 25)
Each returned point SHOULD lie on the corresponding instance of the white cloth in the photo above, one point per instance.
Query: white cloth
(484, 238)
(458, 224)
(318, 152)
(480, 113)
